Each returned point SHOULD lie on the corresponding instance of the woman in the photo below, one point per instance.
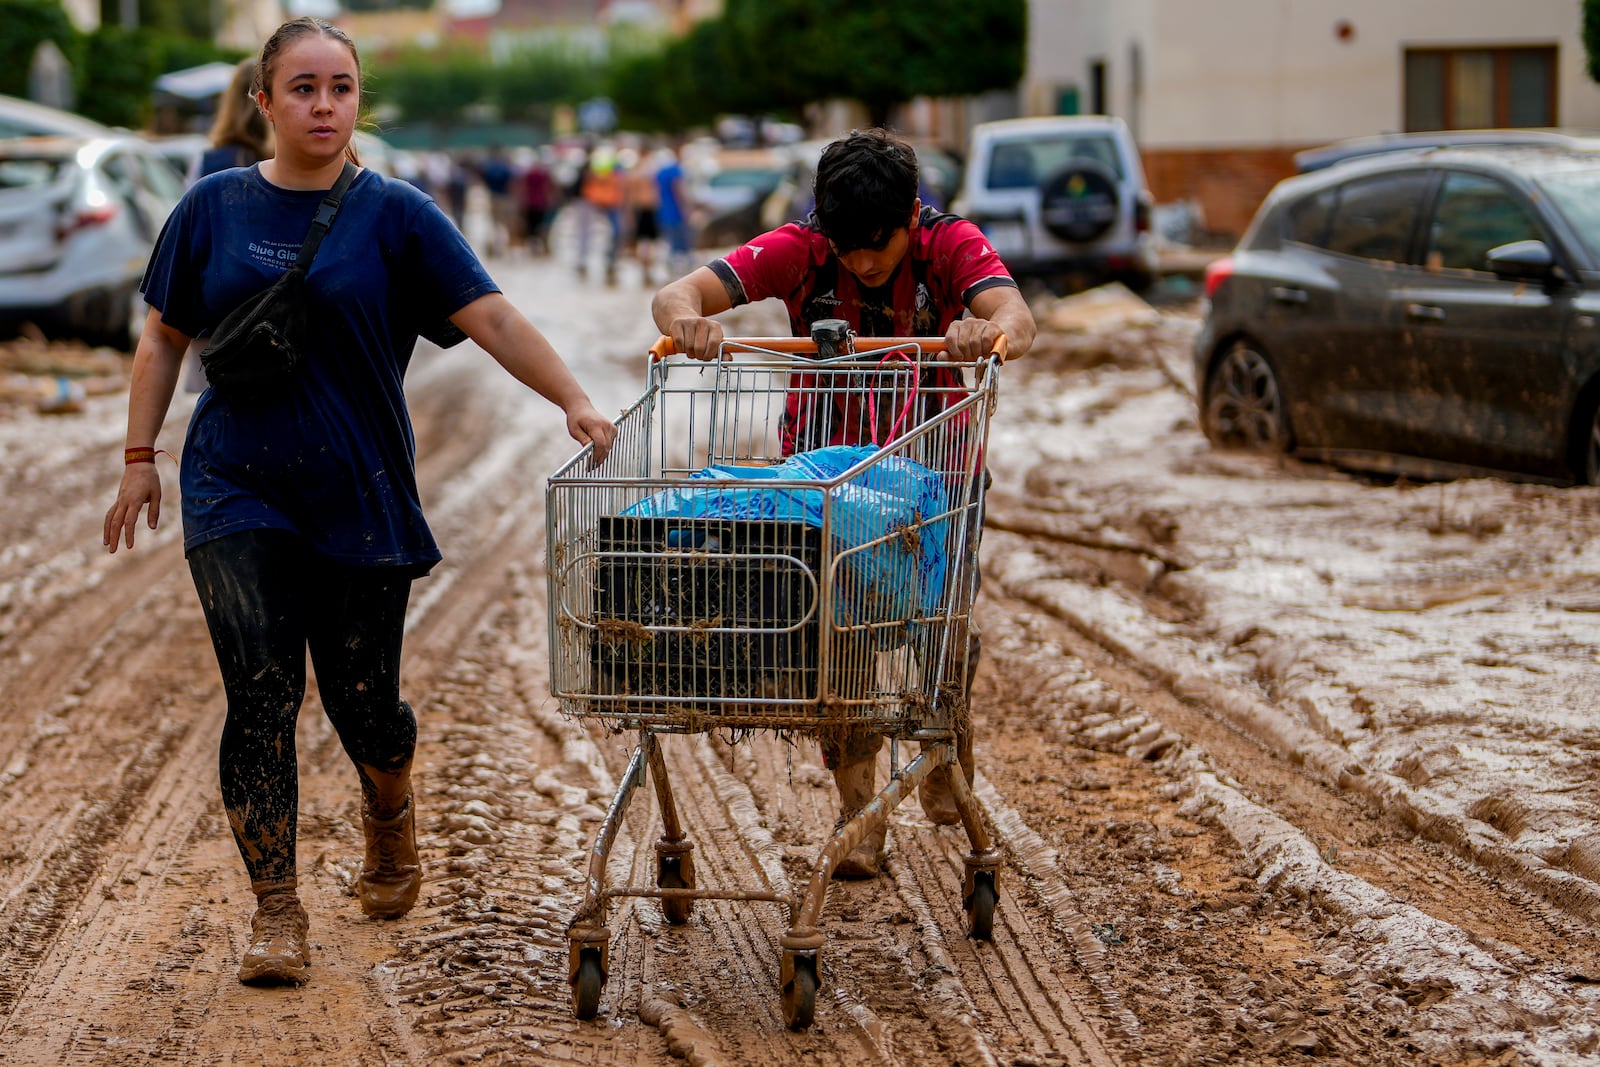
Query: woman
(239, 135)
(302, 524)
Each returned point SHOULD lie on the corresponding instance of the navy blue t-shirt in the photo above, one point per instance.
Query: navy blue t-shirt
(335, 462)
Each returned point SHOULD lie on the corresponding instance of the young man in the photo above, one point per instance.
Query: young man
(873, 255)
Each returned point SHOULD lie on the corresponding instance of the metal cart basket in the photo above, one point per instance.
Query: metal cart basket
(731, 565)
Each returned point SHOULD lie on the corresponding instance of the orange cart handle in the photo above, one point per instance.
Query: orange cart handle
(802, 345)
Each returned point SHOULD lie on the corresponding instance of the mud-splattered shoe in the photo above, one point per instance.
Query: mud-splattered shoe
(279, 953)
(391, 878)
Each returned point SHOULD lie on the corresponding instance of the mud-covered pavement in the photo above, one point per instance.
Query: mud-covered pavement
(1283, 763)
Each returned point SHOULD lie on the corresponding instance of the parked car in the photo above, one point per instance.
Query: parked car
(78, 219)
(1432, 313)
(1062, 199)
(1326, 156)
(24, 118)
(728, 190)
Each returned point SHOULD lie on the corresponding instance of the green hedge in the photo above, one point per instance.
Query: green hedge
(23, 25)
(113, 68)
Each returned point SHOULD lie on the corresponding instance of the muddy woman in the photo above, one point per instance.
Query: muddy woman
(301, 518)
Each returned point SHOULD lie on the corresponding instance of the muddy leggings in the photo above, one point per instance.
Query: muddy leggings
(268, 598)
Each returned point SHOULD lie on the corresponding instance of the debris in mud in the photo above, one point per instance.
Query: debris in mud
(55, 377)
(1098, 311)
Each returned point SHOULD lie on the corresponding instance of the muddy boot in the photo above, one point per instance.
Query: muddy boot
(279, 953)
(857, 786)
(391, 877)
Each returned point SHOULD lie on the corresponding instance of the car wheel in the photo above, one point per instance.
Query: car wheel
(1079, 203)
(1244, 406)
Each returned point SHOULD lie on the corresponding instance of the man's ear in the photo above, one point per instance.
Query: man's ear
(916, 212)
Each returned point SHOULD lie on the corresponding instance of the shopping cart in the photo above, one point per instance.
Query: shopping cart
(700, 582)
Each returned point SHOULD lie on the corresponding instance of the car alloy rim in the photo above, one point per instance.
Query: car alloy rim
(1246, 408)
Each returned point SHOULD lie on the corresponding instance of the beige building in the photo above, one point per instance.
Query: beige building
(1221, 95)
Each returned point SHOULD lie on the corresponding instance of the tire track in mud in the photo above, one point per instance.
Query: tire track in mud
(1216, 713)
(104, 689)
(897, 963)
(116, 712)
(1447, 987)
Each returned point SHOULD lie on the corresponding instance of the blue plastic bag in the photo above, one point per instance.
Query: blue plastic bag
(887, 507)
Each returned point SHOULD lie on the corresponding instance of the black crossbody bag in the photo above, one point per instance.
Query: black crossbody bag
(254, 354)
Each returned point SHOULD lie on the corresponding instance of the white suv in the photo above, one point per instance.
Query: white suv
(1062, 199)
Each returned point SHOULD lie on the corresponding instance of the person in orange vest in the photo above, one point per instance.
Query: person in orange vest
(604, 192)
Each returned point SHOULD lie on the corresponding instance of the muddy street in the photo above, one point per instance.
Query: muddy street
(1283, 763)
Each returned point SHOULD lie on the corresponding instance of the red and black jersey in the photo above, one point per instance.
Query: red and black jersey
(948, 263)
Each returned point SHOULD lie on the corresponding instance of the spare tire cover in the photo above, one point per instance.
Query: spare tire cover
(1079, 202)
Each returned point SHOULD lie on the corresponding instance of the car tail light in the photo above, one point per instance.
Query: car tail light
(1217, 272)
(95, 215)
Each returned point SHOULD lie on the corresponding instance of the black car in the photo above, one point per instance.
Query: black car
(1431, 313)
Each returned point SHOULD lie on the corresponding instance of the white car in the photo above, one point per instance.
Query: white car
(78, 219)
(1063, 199)
(24, 118)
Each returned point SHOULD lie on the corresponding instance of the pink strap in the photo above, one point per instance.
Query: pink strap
(905, 411)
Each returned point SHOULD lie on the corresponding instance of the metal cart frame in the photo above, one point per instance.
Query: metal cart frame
(688, 624)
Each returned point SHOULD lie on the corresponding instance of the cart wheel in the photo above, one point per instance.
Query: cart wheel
(587, 985)
(800, 995)
(675, 910)
(981, 908)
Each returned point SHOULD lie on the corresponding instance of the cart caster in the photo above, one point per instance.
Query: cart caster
(587, 983)
(673, 873)
(800, 991)
(980, 906)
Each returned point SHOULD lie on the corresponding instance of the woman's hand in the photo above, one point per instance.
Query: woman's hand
(586, 424)
(141, 487)
(155, 376)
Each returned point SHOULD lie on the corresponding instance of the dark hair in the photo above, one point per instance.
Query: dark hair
(287, 34)
(865, 187)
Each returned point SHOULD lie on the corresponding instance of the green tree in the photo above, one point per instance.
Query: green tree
(188, 18)
(686, 83)
(542, 75)
(430, 86)
(790, 52)
(23, 25)
(119, 67)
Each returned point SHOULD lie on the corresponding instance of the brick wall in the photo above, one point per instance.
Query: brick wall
(1228, 184)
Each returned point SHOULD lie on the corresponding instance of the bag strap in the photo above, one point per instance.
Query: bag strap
(322, 221)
